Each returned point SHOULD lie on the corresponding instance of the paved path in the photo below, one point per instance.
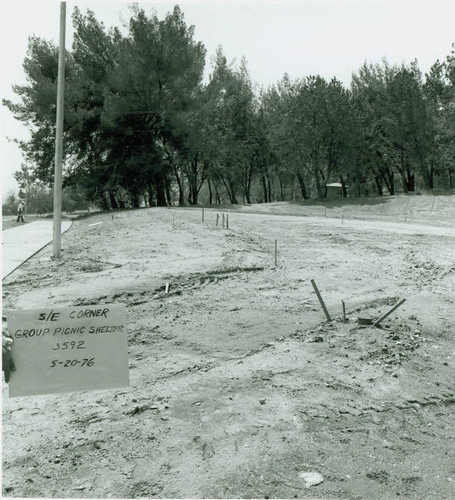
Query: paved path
(22, 242)
(372, 226)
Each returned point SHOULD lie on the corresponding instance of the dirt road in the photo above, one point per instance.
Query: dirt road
(238, 387)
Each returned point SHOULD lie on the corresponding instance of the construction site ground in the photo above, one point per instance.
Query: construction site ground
(239, 386)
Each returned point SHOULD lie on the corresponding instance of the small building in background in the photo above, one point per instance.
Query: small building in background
(334, 190)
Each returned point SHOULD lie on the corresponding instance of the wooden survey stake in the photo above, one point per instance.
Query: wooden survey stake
(319, 296)
(389, 312)
(68, 349)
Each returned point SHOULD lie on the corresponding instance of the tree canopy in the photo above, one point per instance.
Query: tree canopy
(142, 126)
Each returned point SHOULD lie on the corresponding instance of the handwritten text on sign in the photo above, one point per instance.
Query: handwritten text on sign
(68, 349)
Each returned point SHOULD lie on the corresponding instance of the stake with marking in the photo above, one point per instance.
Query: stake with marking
(327, 315)
(344, 311)
(382, 318)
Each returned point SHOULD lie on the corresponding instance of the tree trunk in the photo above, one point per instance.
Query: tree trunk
(391, 182)
(264, 188)
(302, 186)
(135, 199)
(193, 194)
(160, 192)
(377, 179)
(387, 176)
(167, 190)
(229, 185)
(280, 180)
(217, 194)
(318, 183)
(407, 176)
(402, 170)
(431, 178)
(249, 174)
(102, 199)
(232, 195)
(247, 195)
(210, 192)
(358, 182)
(202, 176)
(226, 186)
(150, 194)
(112, 200)
(410, 179)
(180, 186)
(269, 186)
(344, 192)
(192, 182)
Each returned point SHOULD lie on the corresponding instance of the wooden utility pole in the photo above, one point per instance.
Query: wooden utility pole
(57, 241)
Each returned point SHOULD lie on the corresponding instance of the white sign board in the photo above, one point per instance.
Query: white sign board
(68, 349)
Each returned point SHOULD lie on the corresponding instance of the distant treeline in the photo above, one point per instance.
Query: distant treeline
(142, 126)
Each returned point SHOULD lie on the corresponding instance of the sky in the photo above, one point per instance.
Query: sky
(298, 37)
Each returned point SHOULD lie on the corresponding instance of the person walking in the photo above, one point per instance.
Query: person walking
(20, 211)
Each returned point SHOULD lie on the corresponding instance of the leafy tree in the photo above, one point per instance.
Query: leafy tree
(314, 124)
(285, 135)
(37, 106)
(10, 203)
(448, 140)
(140, 125)
(144, 111)
(439, 90)
(94, 52)
(397, 127)
(231, 140)
(369, 100)
(126, 100)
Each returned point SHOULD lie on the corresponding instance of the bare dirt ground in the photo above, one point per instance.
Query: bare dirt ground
(239, 387)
